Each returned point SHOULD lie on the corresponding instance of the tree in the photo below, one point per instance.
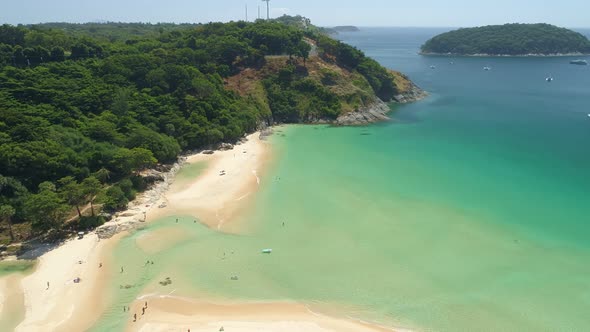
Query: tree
(90, 188)
(303, 49)
(57, 54)
(11, 35)
(103, 175)
(121, 102)
(128, 161)
(114, 199)
(80, 51)
(6, 214)
(71, 191)
(163, 147)
(46, 209)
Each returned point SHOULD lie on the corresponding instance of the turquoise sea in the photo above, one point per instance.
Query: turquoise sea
(470, 211)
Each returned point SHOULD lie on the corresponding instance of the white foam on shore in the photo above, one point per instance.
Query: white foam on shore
(242, 197)
(256, 176)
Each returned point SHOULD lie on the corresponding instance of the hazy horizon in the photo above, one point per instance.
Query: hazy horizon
(372, 13)
(325, 26)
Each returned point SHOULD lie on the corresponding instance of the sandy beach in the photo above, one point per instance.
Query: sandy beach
(54, 302)
(176, 314)
(231, 177)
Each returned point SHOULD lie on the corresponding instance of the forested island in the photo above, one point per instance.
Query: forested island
(344, 28)
(509, 40)
(84, 108)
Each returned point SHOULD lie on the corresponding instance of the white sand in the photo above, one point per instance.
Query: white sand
(175, 314)
(3, 292)
(212, 198)
(50, 309)
(69, 306)
(215, 198)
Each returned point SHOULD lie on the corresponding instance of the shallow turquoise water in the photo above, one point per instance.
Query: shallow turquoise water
(10, 267)
(468, 212)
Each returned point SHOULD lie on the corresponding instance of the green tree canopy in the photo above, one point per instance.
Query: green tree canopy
(508, 39)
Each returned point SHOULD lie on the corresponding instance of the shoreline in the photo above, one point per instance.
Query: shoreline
(69, 306)
(176, 313)
(222, 189)
(52, 300)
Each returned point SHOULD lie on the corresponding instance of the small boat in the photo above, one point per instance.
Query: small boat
(432, 67)
(579, 62)
(266, 251)
(487, 68)
(549, 79)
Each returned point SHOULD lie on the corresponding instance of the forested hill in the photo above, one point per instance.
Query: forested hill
(509, 39)
(84, 108)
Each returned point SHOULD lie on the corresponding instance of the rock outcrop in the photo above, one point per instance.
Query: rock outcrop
(135, 215)
(375, 112)
(414, 93)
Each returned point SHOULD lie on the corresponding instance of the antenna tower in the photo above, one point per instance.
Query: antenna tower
(267, 9)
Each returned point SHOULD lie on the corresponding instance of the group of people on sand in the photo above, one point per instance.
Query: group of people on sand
(143, 309)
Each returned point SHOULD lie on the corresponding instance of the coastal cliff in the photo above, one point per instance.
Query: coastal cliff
(378, 110)
(356, 100)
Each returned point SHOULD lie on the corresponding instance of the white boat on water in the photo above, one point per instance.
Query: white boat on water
(487, 68)
(266, 251)
(549, 79)
(433, 67)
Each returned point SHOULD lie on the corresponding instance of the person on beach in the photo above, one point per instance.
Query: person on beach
(48, 285)
(124, 308)
(99, 265)
(134, 317)
(143, 311)
(146, 304)
(177, 220)
(121, 269)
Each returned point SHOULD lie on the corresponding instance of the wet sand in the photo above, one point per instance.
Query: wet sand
(177, 314)
(217, 195)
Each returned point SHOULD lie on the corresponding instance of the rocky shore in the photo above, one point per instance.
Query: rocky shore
(378, 110)
(135, 215)
(414, 93)
(375, 112)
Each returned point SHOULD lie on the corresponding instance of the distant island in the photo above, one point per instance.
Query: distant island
(346, 28)
(338, 29)
(509, 40)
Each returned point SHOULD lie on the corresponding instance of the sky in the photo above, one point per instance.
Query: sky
(407, 13)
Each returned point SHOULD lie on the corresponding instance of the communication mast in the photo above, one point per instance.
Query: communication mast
(267, 9)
